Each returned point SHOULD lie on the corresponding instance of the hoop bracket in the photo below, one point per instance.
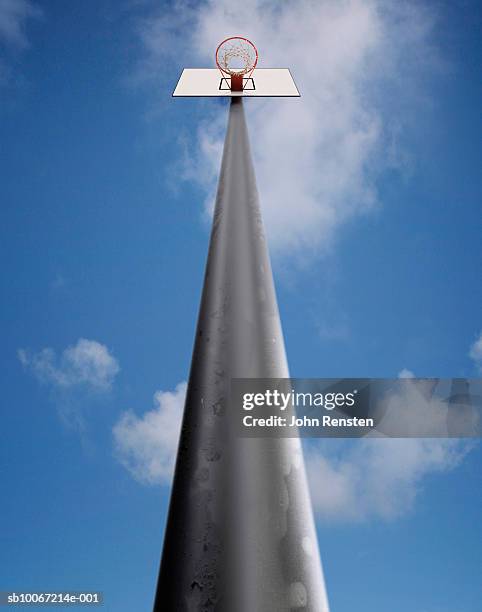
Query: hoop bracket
(248, 84)
(237, 82)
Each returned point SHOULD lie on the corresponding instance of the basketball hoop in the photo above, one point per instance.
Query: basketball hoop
(236, 58)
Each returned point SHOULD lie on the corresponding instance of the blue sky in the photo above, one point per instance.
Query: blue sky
(373, 207)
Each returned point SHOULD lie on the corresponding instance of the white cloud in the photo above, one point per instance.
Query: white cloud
(147, 446)
(14, 15)
(476, 352)
(317, 158)
(376, 477)
(87, 364)
(405, 373)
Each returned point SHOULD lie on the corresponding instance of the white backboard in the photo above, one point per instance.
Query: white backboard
(268, 82)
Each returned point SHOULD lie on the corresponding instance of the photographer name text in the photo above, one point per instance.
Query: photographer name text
(279, 401)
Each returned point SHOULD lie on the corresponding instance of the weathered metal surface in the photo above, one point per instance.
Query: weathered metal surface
(240, 535)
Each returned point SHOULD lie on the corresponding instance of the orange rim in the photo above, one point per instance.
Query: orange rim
(249, 72)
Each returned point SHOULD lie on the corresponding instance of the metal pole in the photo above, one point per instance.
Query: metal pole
(240, 535)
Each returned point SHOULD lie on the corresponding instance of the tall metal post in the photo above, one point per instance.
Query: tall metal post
(240, 534)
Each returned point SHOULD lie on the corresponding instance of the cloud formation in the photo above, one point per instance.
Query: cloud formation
(87, 364)
(377, 477)
(476, 353)
(318, 158)
(147, 445)
(14, 15)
